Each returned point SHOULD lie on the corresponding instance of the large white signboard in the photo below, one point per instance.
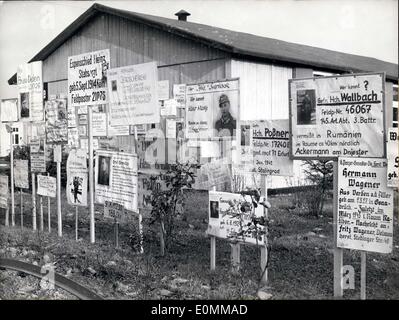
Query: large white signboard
(212, 109)
(21, 173)
(264, 147)
(116, 178)
(393, 158)
(365, 205)
(87, 83)
(3, 191)
(9, 110)
(46, 186)
(224, 224)
(76, 189)
(133, 94)
(30, 87)
(338, 116)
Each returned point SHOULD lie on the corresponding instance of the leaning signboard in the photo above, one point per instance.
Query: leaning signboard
(46, 186)
(365, 205)
(337, 116)
(76, 189)
(21, 173)
(116, 178)
(224, 209)
(56, 121)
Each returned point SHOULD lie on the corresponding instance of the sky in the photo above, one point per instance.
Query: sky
(362, 27)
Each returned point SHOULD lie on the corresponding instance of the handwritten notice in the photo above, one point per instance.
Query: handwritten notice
(46, 186)
(30, 87)
(37, 155)
(76, 189)
(337, 116)
(163, 90)
(3, 191)
(133, 94)
(225, 224)
(21, 174)
(179, 94)
(365, 205)
(264, 147)
(212, 109)
(393, 158)
(116, 178)
(99, 124)
(87, 83)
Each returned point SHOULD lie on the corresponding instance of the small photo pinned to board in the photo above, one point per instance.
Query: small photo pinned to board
(104, 170)
(306, 107)
(214, 208)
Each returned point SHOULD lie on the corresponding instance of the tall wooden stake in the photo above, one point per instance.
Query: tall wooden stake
(12, 179)
(363, 275)
(59, 217)
(76, 222)
(263, 252)
(91, 176)
(34, 201)
(22, 208)
(48, 212)
(141, 232)
(338, 252)
(41, 213)
(213, 247)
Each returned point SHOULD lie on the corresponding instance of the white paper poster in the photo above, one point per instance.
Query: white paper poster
(116, 178)
(338, 116)
(56, 121)
(76, 189)
(393, 158)
(9, 110)
(30, 87)
(365, 205)
(46, 186)
(212, 109)
(87, 83)
(133, 94)
(264, 147)
(21, 174)
(163, 90)
(179, 94)
(99, 124)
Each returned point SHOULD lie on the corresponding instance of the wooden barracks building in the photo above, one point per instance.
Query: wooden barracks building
(189, 52)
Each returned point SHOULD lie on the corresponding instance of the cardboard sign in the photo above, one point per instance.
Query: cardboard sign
(9, 110)
(179, 94)
(365, 205)
(30, 87)
(223, 224)
(337, 116)
(163, 90)
(99, 124)
(56, 121)
(133, 94)
(21, 174)
(113, 210)
(76, 189)
(393, 158)
(46, 186)
(264, 147)
(116, 178)
(4, 191)
(212, 109)
(86, 79)
(37, 156)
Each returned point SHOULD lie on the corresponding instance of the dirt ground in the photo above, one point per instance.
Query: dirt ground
(300, 267)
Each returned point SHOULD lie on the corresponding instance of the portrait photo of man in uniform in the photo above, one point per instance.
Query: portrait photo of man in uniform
(104, 170)
(226, 123)
(24, 98)
(306, 107)
(214, 205)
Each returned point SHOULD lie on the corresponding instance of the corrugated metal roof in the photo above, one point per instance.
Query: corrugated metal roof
(242, 45)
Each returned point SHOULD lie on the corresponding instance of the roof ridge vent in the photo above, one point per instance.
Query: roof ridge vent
(182, 15)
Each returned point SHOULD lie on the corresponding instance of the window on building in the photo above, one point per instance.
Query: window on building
(15, 135)
(395, 107)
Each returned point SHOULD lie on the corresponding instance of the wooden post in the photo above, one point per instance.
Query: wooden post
(213, 248)
(48, 212)
(141, 232)
(91, 175)
(116, 228)
(7, 223)
(22, 208)
(12, 178)
(34, 201)
(76, 222)
(363, 275)
(235, 257)
(338, 252)
(41, 213)
(59, 217)
(263, 249)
